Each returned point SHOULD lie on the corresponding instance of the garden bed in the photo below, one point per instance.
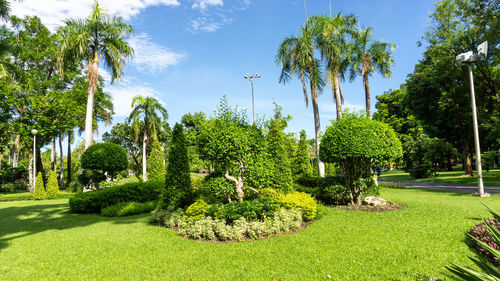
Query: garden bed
(369, 208)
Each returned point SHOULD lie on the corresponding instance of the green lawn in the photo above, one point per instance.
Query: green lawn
(16, 196)
(489, 178)
(40, 240)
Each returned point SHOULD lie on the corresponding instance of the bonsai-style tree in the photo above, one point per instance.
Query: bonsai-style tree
(356, 143)
(228, 141)
(106, 158)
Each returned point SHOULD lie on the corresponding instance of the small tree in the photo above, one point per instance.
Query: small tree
(107, 158)
(278, 150)
(302, 162)
(178, 190)
(39, 192)
(356, 143)
(156, 164)
(52, 186)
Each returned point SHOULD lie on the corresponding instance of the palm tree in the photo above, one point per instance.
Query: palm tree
(91, 39)
(370, 56)
(333, 43)
(296, 57)
(146, 108)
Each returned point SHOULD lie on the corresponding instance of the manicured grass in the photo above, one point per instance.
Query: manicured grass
(17, 196)
(41, 240)
(489, 178)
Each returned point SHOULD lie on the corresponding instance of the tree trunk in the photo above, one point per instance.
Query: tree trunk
(53, 155)
(468, 164)
(317, 126)
(304, 88)
(61, 163)
(238, 182)
(39, 164)
(68, 178)
(15, 153)
(337, 98)
(93, 77)
(366, 85)
(144, 175)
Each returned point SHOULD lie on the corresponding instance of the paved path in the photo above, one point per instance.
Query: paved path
(445, 186)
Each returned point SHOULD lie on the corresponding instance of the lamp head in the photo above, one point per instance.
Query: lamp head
(246, 76)
(465, 57)
(482, 49)
(258, 75)
(34, 132)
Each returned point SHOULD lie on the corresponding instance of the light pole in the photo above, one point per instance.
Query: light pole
(34, 132)
(469, 58)
(251, 77)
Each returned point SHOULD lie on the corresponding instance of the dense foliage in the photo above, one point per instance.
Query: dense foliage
(95, 201)
(356, 143)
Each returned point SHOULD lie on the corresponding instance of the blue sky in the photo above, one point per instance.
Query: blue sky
(190, 53)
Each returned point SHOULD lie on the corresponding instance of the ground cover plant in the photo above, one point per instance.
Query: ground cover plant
(415, 243)
(489, 178)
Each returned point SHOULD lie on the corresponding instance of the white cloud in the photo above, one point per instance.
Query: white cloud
(329, 107)
(208, 24)
(152, 57)
(52, 12)
(122, 96)
(204, 4)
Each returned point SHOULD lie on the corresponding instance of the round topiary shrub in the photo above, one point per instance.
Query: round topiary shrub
(355, 143)
(108, 158)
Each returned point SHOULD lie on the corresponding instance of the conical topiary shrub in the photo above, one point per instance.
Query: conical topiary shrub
(52, 186)
(39, 192)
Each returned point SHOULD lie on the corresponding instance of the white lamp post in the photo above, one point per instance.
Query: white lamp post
(34, 132)
(251, 77)
(469, 58)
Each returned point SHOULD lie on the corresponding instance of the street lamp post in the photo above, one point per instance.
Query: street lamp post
(469, 58)
(34, 132)
(251, 77)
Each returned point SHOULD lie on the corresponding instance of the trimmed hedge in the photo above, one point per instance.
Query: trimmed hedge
(128, 208)
(95, 201)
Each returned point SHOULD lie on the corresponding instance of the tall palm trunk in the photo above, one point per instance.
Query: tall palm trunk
(317, 125)
(366, 85)
(61, 163)
(336, 96)
(53, 155)
(68, 178)
(144, 145)
(304, 88)
(92, 76)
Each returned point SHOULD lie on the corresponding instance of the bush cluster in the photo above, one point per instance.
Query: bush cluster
(421, 171)
(301, 201)
(216, 188)
(251, 210)
(215, 229)
(197, 210)
(95, 201)
(480, 231)
(128, 208)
